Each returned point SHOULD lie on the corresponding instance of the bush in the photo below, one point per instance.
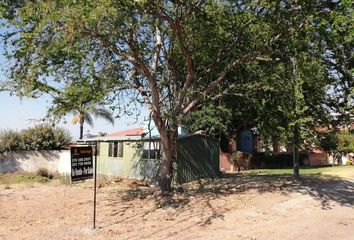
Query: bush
(41, 137)
(44, 137)
(43, 172)
(9, 140)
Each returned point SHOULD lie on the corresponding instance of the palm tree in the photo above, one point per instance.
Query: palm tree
(83, 114)
(83, 106)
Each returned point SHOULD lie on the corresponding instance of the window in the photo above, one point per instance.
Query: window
(115, 149)
(151, 150)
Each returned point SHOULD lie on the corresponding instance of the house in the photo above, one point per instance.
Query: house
(135, 153)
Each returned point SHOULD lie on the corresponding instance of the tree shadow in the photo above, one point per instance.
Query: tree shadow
(325, 188)
(181, 202)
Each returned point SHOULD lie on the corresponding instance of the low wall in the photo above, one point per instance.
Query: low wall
(277, 160)
(226, 164)
(31, 161)
(318, 159)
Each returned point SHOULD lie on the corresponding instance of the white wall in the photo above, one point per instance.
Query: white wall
(31, 161)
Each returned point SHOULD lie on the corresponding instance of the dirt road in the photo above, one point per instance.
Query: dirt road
(233, 208)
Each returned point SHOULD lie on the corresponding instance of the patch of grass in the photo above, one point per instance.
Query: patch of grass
(341, 171)
(22, 178)
(63, 179)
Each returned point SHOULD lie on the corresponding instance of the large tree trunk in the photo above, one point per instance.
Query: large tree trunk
(169, 155)
(275, 143)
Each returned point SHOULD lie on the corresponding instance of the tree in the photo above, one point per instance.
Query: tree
(83, 113)
(215, 120)
(345, 142)
(82, 101)
(174, 54)
(298, 94)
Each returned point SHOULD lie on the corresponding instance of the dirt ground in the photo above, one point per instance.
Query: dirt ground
(236, 207)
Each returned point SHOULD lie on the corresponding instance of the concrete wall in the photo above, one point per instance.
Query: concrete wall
(31, 161)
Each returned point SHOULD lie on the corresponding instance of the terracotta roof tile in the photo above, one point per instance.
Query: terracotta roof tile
(130, 132)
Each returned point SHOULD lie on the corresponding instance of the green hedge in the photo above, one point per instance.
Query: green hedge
(40, 137)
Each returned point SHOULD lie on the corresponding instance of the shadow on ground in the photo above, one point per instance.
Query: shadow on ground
(325, 188)
(183, 199)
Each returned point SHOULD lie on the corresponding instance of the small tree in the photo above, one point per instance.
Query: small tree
(345, 142)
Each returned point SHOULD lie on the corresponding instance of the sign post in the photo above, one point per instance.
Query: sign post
(94, 187)
(82, 167)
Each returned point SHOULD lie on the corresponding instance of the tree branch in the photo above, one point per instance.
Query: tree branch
(156, 55)
(245, 59)
(188, 62)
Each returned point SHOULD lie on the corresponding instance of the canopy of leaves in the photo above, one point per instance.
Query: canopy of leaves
(82, 99)
(299, 84)
(197, 43)
(215, 120)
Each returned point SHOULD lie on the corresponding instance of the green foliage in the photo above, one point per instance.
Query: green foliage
(337, 141)
(215, 120)
(43, 137)
(9, 140)
(328, 141)
(345, 142)
(40, 137)
(83, 102)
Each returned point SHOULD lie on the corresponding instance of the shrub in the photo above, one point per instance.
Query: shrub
(9, 140)
(44, 137)
(43, 172)
(40, 137)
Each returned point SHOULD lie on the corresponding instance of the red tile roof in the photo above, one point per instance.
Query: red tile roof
(130, 132)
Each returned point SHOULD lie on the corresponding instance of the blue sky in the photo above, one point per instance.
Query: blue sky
(19, 113)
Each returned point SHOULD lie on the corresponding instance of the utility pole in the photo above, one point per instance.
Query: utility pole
(296, 129)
